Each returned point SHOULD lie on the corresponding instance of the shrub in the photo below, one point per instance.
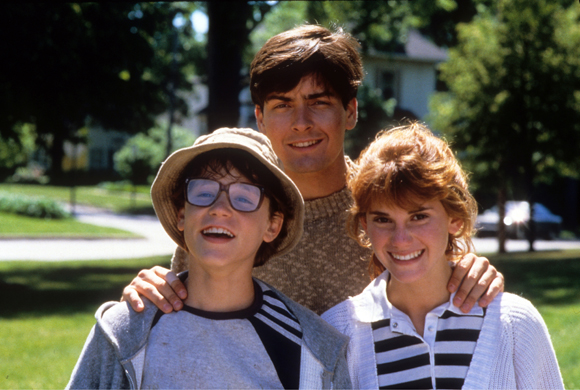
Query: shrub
(32, 206)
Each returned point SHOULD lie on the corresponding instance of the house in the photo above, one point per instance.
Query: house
(408, 75)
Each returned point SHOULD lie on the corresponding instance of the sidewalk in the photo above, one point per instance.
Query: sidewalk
(157, 242)
(154, 242)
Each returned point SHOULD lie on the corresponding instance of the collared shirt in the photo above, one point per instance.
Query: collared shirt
(439, 358)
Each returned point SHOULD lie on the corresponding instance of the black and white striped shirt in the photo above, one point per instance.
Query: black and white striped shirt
(439, 359)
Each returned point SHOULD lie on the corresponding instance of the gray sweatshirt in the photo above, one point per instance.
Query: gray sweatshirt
(114, 353)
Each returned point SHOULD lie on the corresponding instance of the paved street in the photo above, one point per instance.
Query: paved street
(156, 242)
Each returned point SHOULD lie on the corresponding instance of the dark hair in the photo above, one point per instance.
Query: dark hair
(215, 162)
(332, 57)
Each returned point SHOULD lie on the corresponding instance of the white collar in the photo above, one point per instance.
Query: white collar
(373, 304)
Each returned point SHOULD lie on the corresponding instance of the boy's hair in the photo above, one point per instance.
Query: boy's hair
(405, 166)
(332, 57)
(215, 163)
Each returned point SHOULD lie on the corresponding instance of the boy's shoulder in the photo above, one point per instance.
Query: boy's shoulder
(123, 327)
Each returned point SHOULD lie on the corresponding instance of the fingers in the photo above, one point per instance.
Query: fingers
(495, 287)
(132, 296)
(160, 286)
(476, 275)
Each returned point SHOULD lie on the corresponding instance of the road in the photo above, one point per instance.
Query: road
(156, 242)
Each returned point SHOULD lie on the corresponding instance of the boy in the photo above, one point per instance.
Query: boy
(234, 331)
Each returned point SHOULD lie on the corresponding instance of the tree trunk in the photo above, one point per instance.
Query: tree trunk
(227, 38)
(501, 233)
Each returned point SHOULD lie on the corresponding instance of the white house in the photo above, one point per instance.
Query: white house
(410, 77)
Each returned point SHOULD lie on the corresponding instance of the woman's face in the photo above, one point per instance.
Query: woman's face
(411, 244)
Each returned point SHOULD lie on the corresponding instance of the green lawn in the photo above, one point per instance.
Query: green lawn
(47, 310)
(18, 226)
(118, 201)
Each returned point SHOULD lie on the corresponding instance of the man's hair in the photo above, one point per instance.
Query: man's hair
(215, 163)
(332, 57)
(404, 167)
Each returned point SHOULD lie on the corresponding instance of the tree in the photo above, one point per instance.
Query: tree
(66, 64)
(139, 159)
(230, 24)
(513, 105)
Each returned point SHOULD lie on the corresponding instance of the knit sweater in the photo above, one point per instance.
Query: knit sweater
(326, 267)
(514, 350)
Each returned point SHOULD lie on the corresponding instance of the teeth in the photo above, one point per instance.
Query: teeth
(304, 144)
(215, 230)
(410, 256)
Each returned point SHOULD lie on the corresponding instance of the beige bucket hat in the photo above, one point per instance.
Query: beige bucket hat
(249, 140)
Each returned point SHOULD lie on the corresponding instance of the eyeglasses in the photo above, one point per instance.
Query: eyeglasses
(243, 197)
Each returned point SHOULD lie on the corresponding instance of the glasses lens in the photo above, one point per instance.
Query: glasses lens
(245, 197)
(202, 192)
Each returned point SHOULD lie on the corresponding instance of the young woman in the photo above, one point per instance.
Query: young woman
(413, 208)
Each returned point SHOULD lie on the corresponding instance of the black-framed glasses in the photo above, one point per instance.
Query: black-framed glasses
(243, 197)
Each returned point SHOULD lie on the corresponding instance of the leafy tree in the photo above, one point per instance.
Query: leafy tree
(65, 64)
(514, 100)
(139, 159)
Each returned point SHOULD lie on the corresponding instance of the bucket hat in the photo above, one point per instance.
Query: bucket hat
(249, 140)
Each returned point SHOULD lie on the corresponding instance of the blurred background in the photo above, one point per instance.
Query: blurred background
(95, 95)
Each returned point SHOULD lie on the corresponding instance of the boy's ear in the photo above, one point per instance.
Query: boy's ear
(274, 228)
(181, 219)
(351, 114)
(259, 118)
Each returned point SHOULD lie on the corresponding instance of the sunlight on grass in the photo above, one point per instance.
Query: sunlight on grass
(117, 201)
(40, 353)
(564, 326)
(18, 226)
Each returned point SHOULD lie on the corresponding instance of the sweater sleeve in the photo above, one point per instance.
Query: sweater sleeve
(535, 363)
(98, 366)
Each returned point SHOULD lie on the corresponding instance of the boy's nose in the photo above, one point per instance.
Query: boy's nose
(221, 206)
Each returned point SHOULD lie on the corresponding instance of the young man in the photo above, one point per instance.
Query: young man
(226, 202)
(304, 84)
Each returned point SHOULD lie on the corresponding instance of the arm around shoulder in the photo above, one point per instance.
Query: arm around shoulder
(535, 362)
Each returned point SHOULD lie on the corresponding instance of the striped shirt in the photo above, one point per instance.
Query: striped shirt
(256, 347)
(437, 360)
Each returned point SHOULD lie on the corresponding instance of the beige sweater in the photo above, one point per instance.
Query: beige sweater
(326, 267)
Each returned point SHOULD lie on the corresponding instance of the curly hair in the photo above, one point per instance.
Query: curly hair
(405, 166)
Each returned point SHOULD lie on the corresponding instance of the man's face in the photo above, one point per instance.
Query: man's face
(306, 126)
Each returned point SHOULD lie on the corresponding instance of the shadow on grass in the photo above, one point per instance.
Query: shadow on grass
(545, 278)
(62, 288)
(32, 289)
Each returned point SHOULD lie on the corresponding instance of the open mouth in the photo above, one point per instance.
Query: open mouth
(217, 232)
(410, 256)
(305, 144)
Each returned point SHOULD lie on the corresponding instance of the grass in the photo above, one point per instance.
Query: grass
(118, 201)
(18, 226)
(47, 309)
(47, 312)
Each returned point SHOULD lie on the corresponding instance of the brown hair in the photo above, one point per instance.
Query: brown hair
(405, 165)
(332, 57)
(212, 162)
